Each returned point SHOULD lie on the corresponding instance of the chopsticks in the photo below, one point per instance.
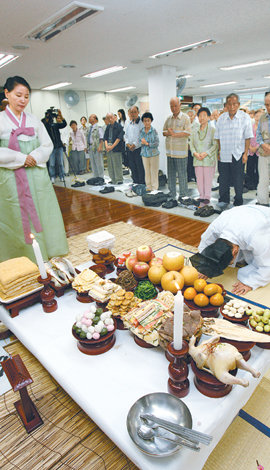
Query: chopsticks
(179, 430)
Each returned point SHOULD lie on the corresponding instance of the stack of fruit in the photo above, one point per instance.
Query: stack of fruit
(140, 263)
(259, 319)
(203, 294)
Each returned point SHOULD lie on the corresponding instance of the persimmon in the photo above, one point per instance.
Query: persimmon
(199, 284)
(201, 300)
(217, 300)
(190, 293)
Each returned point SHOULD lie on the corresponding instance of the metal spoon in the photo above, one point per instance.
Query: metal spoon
(147, 433)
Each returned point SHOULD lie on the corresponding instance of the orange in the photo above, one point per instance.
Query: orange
(216, 300)
(201, 300)
(210, 289)
(199, 284)
(190, 293)
(220, 290)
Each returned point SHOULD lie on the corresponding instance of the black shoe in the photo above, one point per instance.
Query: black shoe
(186, 201)
(125, 172)
(110, 182)
(119, 182)
(78, 184)
(107, 190)
(170, 204)
(215, 188)
(259, 204)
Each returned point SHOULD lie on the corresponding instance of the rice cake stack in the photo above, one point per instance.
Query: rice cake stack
(98, 240)
(83, 281)
(18, 276)
(102, 290)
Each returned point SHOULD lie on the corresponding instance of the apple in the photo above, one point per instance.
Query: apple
(144, 253)
(140, 269)
(155, 273)
(173, 261)
(156, 261)
(131, 260)
(172, 281)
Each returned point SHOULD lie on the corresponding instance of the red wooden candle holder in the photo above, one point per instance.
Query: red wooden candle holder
(19, 378)
(48, 301)
(178, 383)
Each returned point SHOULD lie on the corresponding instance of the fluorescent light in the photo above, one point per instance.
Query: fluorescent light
(251, 89)
(115, 68)
(57, 85)
(267, 76)
(5, 59)
(250, 64)
(195, 45)
(217, 84)
(185, 76)
(121, 89)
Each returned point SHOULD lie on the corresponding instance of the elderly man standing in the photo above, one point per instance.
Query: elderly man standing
(95, 145)
(133, 146)
(177, 130)
(263, 138)
(113, 138)
(233, 133)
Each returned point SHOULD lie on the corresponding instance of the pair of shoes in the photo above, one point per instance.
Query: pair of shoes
(96, 181)
(78, 184)
(223, 205)
(130, 193)
(207, 211)
(170, 204)
(107, 190)
(260, 204)
(52, 180)
(187, 201)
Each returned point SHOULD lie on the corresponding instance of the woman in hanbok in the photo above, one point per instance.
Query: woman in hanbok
(27, 200)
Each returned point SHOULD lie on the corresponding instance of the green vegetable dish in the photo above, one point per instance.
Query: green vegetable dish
(145, 290)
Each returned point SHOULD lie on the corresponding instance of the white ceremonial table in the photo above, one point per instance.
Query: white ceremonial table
(106, 386)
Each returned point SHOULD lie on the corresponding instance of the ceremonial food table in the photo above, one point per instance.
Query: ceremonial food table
(106, 386)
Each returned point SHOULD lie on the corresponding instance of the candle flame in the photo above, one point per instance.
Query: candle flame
(32, 236)
(177, 285)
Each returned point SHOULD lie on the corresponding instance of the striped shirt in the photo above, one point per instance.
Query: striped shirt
(177, 147)
(232, 134)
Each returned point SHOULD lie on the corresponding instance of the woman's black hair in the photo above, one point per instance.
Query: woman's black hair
(12, 82)
(147, 115)
(73, 122)
(123, 114)
(83, 117)
(206, 110)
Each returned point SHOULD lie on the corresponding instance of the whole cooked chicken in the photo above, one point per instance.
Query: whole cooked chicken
(218, 358)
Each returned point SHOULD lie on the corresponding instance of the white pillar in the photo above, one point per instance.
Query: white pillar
(161, 88)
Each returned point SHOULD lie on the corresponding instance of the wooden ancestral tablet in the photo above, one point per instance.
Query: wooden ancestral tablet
(19, 378)
(208, 384)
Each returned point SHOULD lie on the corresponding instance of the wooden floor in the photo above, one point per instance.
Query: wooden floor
(83, 212)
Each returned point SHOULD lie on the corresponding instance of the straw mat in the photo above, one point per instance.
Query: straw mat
(69, 439)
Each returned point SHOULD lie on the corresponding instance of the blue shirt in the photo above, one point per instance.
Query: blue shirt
(152, 139)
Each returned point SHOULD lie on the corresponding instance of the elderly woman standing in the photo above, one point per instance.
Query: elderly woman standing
(28, 202)
(149, 152)
(204, 149)
(78, 149)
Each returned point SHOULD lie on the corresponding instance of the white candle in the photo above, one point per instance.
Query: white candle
(39, 259)
(178, 320)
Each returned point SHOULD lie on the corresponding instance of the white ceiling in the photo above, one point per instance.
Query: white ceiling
(128, 31)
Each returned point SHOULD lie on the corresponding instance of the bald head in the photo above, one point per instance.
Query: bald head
(110, 117)
(175, 105)
(93, 119)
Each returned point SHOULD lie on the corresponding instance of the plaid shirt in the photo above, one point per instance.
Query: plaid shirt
(232, 134)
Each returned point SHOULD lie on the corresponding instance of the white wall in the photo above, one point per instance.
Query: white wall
(90, 103)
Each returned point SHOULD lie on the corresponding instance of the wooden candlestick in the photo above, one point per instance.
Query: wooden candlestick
(178, 383)
(19, 378)
(47, 295)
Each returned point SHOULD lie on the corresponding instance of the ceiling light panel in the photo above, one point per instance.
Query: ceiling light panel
(56, 85)
(121, 89)
(99, 73)
(72, 14)
(252, 89)
(218, 84)
(6, 59)
(243, 66)
(187, 48)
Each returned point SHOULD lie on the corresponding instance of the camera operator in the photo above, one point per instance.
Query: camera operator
(54, 121)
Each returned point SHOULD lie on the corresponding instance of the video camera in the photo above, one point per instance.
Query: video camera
(51, 113)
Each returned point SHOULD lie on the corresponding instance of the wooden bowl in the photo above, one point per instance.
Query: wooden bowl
(93, 347)
(143, 344)
(261, 345)
(208, 384)
(240, 321)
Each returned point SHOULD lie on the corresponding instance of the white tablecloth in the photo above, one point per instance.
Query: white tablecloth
(106, 386)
